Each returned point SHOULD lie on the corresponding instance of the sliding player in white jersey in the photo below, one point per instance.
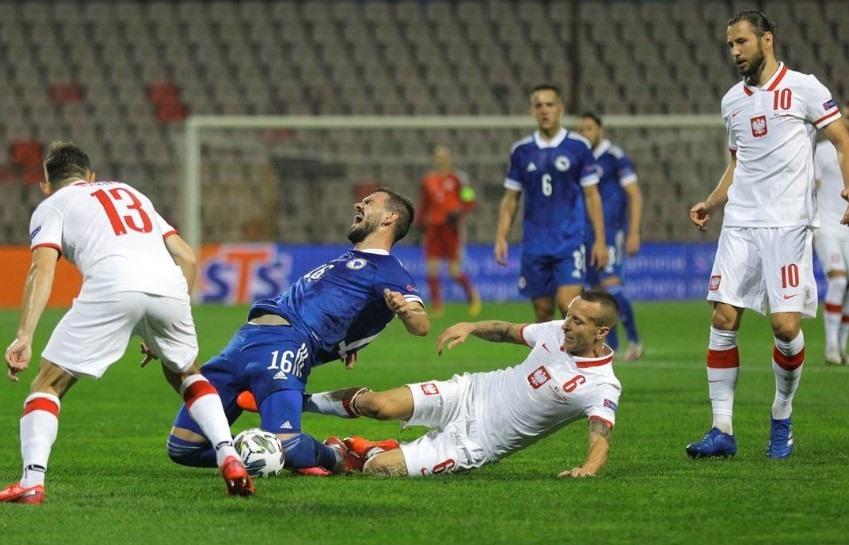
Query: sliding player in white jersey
(764, 261)
(831, 243)
(137, 276)
(482, 417)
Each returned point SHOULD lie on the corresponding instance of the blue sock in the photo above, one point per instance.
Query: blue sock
(626, 313)
(188, 453)
(305, 451)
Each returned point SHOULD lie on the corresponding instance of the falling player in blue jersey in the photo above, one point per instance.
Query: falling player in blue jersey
(555, 169)
(622, 203)
(328, 314)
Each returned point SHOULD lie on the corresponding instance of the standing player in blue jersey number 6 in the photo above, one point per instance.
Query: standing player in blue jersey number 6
(555, 168)
(328, 314)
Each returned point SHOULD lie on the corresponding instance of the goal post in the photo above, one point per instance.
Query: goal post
(190, 186)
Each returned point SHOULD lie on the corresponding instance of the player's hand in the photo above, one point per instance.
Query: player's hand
(397, 304)
(501, 251)
(598, 259)
(18, 356)
(351, 360)
(149, 356)
(454, 335)
(700, 216)
(576, 473)
(632, 244)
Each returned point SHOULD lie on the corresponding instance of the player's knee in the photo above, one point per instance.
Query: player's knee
(786, 330)
(185, 453)
(378, 406)
(725, 318)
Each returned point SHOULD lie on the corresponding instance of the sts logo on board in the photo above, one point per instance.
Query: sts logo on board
(242, 273)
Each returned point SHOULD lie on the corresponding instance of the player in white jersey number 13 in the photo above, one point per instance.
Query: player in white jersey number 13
(831, 243)
(138, 274)
(764, 260)
(480, 418)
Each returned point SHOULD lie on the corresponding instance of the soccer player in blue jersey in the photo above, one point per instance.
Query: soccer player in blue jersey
(622, 203)
(328, 314)
(555, 169)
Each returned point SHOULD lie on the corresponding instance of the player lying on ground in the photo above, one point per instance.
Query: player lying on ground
(482, 417)
(137, 276)
(330, 313)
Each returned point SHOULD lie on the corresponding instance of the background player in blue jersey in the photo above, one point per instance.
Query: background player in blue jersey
(622, 203)
(328, 314)
(555, 169)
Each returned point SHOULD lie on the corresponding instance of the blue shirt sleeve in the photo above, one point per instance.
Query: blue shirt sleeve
(625, 171)
(589, 172)
(513, 178)
(398, 279)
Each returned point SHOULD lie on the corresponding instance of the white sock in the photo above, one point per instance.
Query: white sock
(205, 408)
(723, 367)
(787, 361)
(834, 296)
(39, 426)
(843, 335)
(335, 403)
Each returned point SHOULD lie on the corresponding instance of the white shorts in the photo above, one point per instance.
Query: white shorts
(452, 445)
(94, 334)
(832, 249)
(765, 268)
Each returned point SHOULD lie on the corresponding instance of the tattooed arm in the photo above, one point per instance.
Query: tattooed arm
(599, 444)
(490, 330)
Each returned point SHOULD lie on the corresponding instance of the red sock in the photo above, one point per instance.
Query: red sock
(435, 293)
(464, 281)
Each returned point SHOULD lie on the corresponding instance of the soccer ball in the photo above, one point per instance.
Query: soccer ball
(261, 452)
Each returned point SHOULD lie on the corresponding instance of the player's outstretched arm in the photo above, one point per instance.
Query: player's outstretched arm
(506, 215)
(599, 445)
(838, 134)
(184, 257)
(412, 313)
(490, 330)
(701, 211)
(37, 290)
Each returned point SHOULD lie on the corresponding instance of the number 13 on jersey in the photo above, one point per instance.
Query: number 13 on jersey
(131, 206)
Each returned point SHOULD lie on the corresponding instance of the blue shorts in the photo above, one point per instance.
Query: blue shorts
(263, 359)
(615, 258)
(541, 275)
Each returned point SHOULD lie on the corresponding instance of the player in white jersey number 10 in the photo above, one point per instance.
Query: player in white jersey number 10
(764, 260)
(482, 417)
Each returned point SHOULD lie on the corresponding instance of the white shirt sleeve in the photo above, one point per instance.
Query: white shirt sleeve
(603, 403)
(534, 333)
(820, 107)
(164, 227)
(45, 228)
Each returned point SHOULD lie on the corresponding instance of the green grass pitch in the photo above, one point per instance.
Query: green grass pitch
(111, 482)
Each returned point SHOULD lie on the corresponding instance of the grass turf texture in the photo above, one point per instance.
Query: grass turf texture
(111, 481)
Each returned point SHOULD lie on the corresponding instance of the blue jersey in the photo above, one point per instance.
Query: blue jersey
(340, 304)
(615, 171)
(552, 175)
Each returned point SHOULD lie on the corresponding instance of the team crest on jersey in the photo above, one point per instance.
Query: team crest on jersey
(562, 163)
(539, 377)
(759, 127)
(714, 282)
(430, 389)
(522, 282)
(34, 232)
(532, 167)
(356, 264)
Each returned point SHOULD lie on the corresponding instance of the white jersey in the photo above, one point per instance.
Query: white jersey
(772, 129)
(114, 236)
(830, 205)
(515, 407)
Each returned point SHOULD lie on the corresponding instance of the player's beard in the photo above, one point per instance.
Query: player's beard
(359, 231)
(754, 67)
